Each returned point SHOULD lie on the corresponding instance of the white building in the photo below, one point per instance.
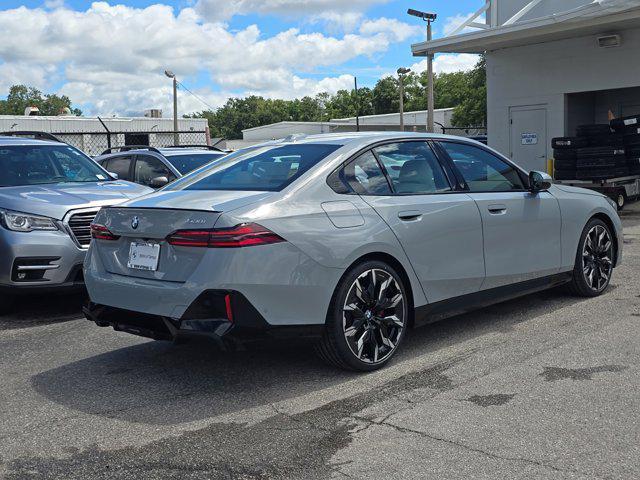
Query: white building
(91, 134)
(551, 65)
(387, 122)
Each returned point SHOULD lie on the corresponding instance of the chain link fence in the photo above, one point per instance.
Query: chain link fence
(94, 143)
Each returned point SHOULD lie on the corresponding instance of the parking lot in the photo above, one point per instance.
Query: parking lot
(541, 387)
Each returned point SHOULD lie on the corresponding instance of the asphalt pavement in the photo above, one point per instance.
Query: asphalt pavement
(546, 386)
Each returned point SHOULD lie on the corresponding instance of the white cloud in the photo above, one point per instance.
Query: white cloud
(219, 10)
(448, 63)
(113, 57)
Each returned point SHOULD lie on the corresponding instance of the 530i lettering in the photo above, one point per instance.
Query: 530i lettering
(352, 238)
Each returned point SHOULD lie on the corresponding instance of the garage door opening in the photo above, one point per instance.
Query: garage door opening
(593, 107)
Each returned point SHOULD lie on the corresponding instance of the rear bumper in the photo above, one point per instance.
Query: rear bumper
(208, 316)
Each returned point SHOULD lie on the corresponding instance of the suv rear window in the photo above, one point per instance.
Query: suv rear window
(187, 163)
(269, 168)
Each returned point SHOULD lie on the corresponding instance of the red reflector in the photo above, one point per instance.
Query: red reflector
(244, 235)
(101, 232)
(227, 304)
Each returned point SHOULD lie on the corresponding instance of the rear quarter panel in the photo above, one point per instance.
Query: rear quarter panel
(299, 217)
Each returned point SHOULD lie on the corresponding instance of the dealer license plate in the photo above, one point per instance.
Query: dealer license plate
(144, 256)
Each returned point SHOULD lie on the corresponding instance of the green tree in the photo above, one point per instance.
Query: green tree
(472, 109)
(21, 96)
(386, 95)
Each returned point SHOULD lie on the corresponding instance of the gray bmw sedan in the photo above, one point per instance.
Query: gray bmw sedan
(352, 239)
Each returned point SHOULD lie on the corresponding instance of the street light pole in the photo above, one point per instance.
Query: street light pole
(401, 73)
(429, 18)
(176, 136)
(430, 99)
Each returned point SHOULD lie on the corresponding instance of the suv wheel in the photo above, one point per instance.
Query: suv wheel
(367, 319)
(594, 260)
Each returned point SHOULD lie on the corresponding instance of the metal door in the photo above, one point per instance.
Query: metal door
(529, 137)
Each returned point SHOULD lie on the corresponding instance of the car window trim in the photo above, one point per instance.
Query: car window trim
(518, 170)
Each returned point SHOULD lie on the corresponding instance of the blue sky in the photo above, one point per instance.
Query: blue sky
(109, 56)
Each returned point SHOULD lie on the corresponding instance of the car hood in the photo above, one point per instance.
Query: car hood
(204, 200)
(55, 200)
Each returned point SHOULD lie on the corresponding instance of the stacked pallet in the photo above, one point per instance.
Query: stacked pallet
(599, 152)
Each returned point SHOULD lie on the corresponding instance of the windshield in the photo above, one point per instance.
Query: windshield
(40, 164)
(269, 168)
(186, 163)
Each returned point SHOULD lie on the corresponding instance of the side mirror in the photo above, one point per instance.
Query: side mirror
(113, 175)
(159, 182)
(539, 181)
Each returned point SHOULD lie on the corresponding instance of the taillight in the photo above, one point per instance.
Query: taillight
(244, 235)
(101, 232)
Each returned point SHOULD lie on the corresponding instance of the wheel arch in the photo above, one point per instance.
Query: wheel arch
(607, 219)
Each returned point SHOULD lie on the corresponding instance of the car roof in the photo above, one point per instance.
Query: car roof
(6, 141)
(163, 151)
(363, 138)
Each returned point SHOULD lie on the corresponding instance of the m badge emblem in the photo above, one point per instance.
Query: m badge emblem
(135, 221)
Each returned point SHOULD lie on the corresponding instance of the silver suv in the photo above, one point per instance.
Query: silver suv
(155, 167)
(49, 194)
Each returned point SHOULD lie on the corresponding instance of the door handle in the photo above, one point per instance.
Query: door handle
(497, 209)
(410, 215)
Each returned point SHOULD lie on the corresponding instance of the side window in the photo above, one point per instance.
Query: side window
(413, 168)
(120, 166)
(365, 176)
(481, 170)
(148, 168)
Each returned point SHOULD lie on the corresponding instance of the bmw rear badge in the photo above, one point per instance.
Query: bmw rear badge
(135, 221)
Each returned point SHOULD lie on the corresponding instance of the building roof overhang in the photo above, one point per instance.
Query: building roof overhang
(592, 19)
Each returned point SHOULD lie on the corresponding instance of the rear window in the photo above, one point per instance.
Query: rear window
(186, 163)
(269, 168)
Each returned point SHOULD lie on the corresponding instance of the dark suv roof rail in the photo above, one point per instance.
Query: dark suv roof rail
(127, 148)
(36, 135)
(207, 147)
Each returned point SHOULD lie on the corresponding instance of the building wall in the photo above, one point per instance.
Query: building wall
(89, 124)
(281, 130)
(543, 74)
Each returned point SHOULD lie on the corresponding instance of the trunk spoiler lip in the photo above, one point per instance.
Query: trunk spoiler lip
(117, 207)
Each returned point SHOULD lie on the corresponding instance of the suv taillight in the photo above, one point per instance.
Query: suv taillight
(101, 232)
(244, 235)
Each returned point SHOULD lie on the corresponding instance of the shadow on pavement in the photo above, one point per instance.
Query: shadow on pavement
(40, 309)
(159, 383)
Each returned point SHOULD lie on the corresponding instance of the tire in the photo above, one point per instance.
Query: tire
(360, 336)
(601, 173)
(581, 284)
(611, 139)
(599, 162)
(597, 152)
(569, 143)
(619, 124)
(621, 201)
(565, 174)
(564, 164)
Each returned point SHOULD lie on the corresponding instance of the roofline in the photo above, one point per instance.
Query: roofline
(289, 122)
(535, 29)
(391, 114)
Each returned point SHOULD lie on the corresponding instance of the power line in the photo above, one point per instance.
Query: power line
(196, 96)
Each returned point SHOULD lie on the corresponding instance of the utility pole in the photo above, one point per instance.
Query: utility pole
(176, 135)
(401, 73)
(429, 18)
(355, 80)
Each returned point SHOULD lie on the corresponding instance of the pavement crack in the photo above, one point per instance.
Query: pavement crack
(469, 448)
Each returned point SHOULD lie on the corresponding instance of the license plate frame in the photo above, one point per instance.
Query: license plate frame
(144, 256)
